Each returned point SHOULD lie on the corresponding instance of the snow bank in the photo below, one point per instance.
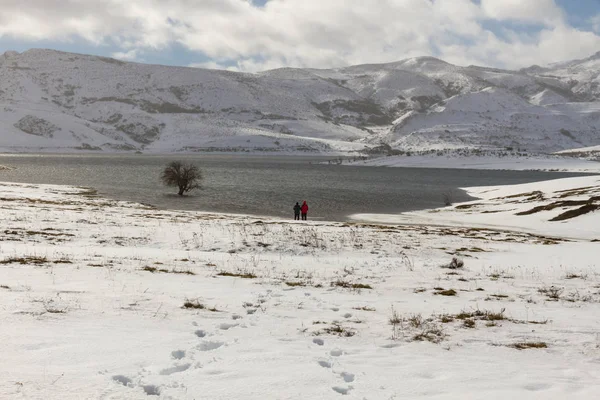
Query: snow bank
(499, 208)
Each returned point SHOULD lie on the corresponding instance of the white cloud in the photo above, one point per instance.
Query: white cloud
(595, 21)
(532, 11)
(131, 55)
(312, 33)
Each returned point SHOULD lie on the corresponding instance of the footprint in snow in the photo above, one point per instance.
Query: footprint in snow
(342, 390)
(324, 364)
(200, 333)
(123, 380)
(336, 353)
(208, 346)
(175, 369)
(318, 341)
(151, 390)
(347, 377)
(178, 354)
(226, 326)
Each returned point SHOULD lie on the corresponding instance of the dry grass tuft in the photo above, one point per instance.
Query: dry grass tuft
(349, 285)
(238, 274)
(25, 260)
(528, 345)
(432, 334)
(444, 292)
(552, 292)
(195, 304)
(364, 308)
(166, 271)
(337, 330)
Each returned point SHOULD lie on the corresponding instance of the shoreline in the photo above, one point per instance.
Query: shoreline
(530, 162)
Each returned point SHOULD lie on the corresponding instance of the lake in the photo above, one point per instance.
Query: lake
(263, 185)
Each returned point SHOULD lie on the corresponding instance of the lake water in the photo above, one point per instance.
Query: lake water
(263, 185)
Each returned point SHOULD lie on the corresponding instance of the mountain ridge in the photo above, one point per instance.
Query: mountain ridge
(57, 101)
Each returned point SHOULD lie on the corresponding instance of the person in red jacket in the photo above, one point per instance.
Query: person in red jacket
(304, 210)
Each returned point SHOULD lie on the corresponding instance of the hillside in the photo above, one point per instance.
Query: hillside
(55, 101)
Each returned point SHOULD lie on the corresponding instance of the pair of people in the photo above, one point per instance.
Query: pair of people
(300, 209)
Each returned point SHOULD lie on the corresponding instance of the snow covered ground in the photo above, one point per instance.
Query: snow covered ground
(103, 299)
(515, 163)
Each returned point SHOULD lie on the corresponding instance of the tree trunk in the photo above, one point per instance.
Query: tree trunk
(181, 189)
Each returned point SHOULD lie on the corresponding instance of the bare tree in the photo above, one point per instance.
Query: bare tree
(185, 176)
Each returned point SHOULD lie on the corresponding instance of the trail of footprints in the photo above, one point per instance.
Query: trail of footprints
(330, 364)
(184, 361)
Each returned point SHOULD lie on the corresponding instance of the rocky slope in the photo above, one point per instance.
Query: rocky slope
(55, 101)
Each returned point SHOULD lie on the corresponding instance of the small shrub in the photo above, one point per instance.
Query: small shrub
(449, 292)
(445, 319)
(491, 316)
(528, 345)
(194, 304)
(432, 334)
(395, 318)
(552, 292)
(469, 323)
(416, 321)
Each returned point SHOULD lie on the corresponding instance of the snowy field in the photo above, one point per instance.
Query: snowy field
(111, 300)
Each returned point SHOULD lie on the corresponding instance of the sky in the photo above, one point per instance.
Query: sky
(256, 35)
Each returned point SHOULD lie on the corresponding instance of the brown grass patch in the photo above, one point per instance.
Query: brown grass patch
(25, 260)
(239, 274)
(349, 285)
(528, 345)
(446, 292)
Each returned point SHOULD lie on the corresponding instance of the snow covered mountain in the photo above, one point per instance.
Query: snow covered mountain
(55, 101)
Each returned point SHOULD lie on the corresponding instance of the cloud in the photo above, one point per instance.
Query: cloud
(131, 55)
(595, 21)
(236, 34)
(528, 11)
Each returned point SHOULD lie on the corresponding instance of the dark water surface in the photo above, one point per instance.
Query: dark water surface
(263, 185)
